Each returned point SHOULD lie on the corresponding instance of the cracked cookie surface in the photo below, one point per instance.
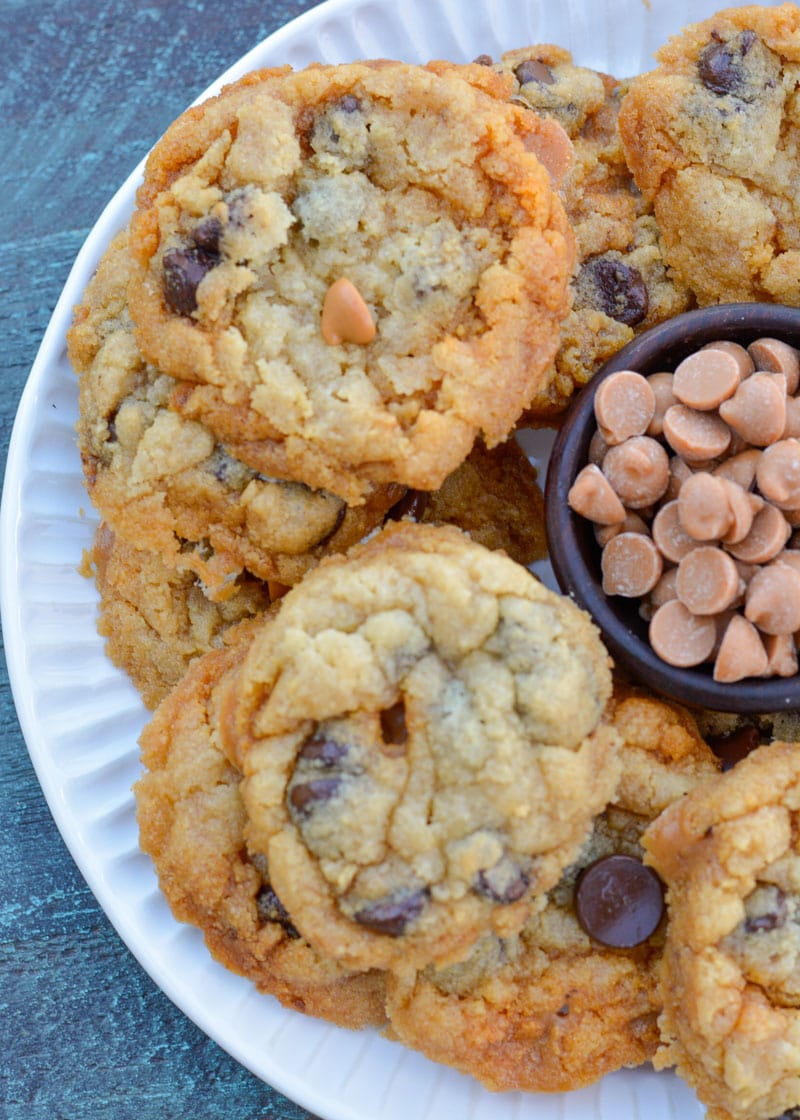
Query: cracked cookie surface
(731, 970)
(711, 136)
(552, 1009)
(410, 776)
(254, 204)
(192, 823)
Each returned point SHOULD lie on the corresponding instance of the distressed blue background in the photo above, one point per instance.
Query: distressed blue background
(86, 87)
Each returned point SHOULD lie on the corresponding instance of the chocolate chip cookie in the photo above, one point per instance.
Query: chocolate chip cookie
(731, 969)
(192, 824)
(621, 285)
(711, 136)
(167, 485)
(344, 308)
(574, 995)
(410, 774)
(156, 619)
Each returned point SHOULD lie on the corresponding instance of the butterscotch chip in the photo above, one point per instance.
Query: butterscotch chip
(661, 384)
(254, 204)
(679, 637)
(345, 315)
(772, 602)
(638, 471)
(679, 471)
(671, 538)
(740, 468)
(666, 589)
(778, 473)
(706, 378)
(365, 723)
(768, 534)
(741, 652)
(624, 406)
(631, 565)
(592, 495)
(743, 358)
(781, 655)
(704, 507)
(777, 357)
(697, 436)
(707, 581)
(633, 523)
(757, 410)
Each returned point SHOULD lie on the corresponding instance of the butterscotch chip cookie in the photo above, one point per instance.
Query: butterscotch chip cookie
(554, 1008)
(711, 136)
(192, 824)
(731, 968)
(419, 734)
(356, 270)
(156, 619)
(167, 485)
(621, 284)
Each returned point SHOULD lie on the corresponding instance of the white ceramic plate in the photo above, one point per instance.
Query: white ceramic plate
(81, 718)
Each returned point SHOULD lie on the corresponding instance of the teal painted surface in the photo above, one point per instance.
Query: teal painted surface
(85, 89)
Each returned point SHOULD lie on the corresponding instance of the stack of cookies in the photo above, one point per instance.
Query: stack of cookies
(389, 774)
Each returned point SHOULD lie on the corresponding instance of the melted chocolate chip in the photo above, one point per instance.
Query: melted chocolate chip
(349, 104)
(618, 901)
(183, 271)
(532, 70)
(271, 909)
(304, 797)
(790, 1114)
(413, 504)
(392, 916)
(619, 288)
(319, 748)
(393, 724)
(206, 234)
(772, 918)
(734, 746)
(483, 60)
(720, 64)
(506, 882)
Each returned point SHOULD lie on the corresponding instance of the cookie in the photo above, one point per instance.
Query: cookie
(711, 136)
(621, 285)
(410, 775)
(167, 485)
(555, 1009)
(731, 966)
(345, 309)
(156, 619)
(192, 823)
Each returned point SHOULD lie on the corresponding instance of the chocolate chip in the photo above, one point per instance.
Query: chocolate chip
(532, 70)
(506, 882)
(393, 915)
(618, 288)
(183, 271)
(618, 901)
(349, 104)
(393, 724)
(773, 917)
(413, 504)
(206, 234)
(790, 1114)
(720, 64)
(483, 60)
(734, 746)
(319, 748)
(306, 796)
(271, 909)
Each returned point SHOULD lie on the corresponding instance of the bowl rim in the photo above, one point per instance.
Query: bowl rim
(570, 537)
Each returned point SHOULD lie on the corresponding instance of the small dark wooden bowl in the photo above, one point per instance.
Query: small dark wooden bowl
(574, 553)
